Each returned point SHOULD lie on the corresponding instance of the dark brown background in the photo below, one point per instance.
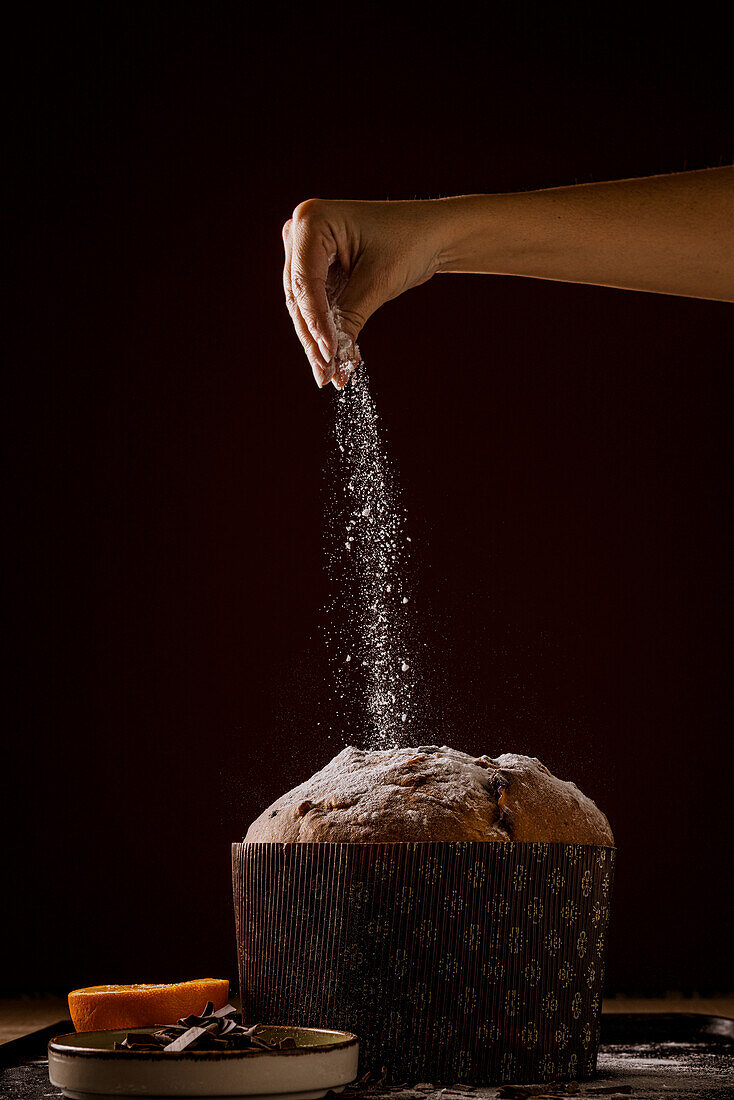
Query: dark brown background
(562, 452)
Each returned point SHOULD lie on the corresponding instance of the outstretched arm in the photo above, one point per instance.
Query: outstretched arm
(667, 234)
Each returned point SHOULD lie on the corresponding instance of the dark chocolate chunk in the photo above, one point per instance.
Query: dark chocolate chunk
(220, 1030)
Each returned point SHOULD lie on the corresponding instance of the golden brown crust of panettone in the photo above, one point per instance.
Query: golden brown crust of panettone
(431, 794)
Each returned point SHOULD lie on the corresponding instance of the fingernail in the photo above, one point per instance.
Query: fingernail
(318, 373)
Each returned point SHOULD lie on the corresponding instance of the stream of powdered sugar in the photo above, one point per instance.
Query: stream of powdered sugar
(368, 625)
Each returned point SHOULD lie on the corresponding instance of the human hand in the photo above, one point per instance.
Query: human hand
(343, 260)
(665, 234)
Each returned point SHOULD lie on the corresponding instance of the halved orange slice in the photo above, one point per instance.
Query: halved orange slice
(106, 1007)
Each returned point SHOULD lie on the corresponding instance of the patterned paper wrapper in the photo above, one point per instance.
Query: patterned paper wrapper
(479, 963)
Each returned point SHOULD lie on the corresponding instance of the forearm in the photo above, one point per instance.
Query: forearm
(667, 234)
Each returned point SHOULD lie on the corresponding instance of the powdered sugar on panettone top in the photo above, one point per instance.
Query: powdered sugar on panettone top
(368, 776)
(431, 793)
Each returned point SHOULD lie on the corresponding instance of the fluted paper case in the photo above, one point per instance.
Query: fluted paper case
(468, 962)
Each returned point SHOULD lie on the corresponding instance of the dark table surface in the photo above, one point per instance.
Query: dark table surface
(681, 1056)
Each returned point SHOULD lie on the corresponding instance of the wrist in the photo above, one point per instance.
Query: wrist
(469, 228)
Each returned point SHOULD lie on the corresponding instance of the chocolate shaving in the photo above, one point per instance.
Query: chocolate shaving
(188, 1039)
(220, 1030)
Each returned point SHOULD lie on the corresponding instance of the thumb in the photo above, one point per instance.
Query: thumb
(357, 301)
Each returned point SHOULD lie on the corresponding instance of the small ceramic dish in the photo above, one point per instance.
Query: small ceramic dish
(86, 1066)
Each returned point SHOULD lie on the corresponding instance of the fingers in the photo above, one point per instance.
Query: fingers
(313, 248)
(342, 374)
(343, 260)
(308, 250)
(364, 293)
(320, 365)
(355, 298)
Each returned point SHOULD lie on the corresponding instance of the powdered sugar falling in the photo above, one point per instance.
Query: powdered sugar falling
(368, 629)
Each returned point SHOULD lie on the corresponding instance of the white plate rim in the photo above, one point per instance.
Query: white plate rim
(345, 1040)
